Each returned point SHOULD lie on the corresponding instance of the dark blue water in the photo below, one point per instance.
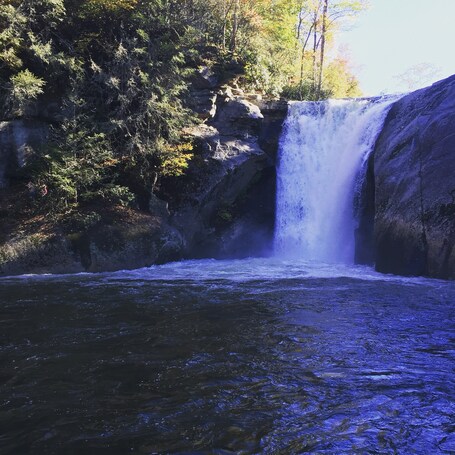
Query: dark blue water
(238, 357)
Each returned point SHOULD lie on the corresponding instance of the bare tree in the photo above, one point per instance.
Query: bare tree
(235, 26)
(322, 47)
(316, 24)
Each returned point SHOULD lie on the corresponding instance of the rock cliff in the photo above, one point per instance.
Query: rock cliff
(414, 185)
(225, 208)
(229, 207)
(226, 202)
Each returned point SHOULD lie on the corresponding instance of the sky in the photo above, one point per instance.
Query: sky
(398, 37)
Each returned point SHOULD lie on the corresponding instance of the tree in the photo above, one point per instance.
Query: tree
(325, 10)
(120, 69)
(319, 20)
(418, 76)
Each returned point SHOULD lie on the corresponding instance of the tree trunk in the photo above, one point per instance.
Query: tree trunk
(322, 50)
(235, 26)
(224, 24)
(315, 48)
(302, 58)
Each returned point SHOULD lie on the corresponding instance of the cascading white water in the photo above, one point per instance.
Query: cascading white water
(322, 151)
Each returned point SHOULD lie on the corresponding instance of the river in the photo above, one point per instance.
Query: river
(227, 357)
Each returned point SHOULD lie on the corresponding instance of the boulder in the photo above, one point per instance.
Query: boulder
(414, 174)
(229, 210)
(227, 169)
(239, 118)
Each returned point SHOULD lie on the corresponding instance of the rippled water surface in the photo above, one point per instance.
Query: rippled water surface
(224, 357)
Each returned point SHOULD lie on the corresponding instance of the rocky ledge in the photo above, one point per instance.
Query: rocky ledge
(225, 207)
(411, 188)
(229, 207)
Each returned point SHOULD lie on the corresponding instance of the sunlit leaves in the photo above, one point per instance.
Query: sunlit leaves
(24, 87)
(12, 25)
(97, 8)
(175, 159)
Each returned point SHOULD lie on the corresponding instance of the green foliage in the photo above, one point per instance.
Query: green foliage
(272, 53)
(12, 24)
(304, 91)
(116, 6)
(175, 159)
(338, 82)
(24, 88)
(82, 221)
(79, 167)
(119, 70)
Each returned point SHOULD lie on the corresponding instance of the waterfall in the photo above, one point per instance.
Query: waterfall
(323, 148)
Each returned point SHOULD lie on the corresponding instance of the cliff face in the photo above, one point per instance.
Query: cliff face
(229, 210)
(18, 139)
(226, 203)
(414, 185)
(226, 207)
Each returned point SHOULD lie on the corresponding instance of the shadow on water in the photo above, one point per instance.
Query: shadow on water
(116, 364)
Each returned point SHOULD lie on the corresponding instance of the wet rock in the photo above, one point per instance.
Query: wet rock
(130, 246)
(238, 118)
(274, 112)
(414, 172)
(230, 209)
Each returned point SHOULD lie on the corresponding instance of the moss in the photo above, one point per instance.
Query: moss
(224, 215)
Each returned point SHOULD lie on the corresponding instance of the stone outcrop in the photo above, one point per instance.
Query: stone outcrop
(230, 208)
(414, 189)
(128, 242)
(204, 93)
(226, 204)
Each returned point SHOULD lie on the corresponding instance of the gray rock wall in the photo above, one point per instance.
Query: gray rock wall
(414, 191)
(227, 206)
(230, 208)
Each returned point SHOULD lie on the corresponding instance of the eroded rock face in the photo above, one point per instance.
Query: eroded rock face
(238, 117)
(123, 244)
(230, 211)
(414, 171)
(227, 206)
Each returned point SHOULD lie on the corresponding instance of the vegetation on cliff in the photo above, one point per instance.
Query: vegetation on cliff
(119, 71)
